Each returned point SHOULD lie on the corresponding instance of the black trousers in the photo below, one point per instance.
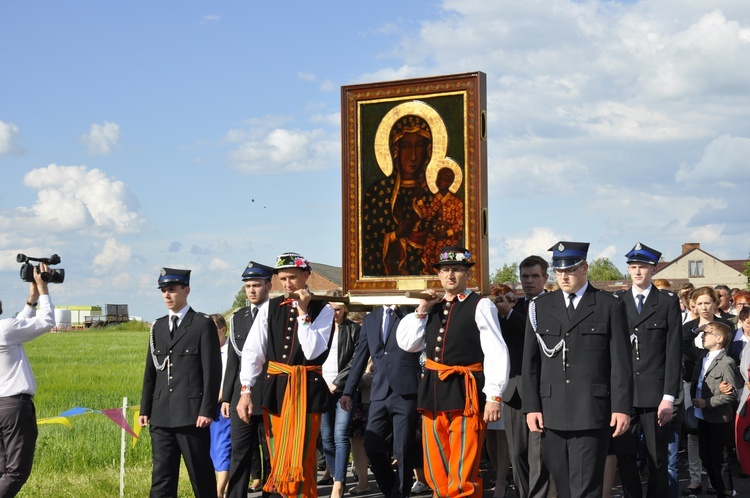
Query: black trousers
(656, 438)
(194, 444)
(392, 422)
(18, 433)
(575, 460)
(714, 440)
(246, 441)
(530, 475)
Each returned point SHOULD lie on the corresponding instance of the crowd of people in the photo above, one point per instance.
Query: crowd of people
(564, 387)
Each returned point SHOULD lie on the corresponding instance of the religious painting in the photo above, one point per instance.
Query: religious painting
(414, 180)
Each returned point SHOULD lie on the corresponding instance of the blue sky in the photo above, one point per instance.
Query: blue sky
(136, 135)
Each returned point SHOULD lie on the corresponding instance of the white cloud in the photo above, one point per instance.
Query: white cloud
(720, 166)
(287, 150)
(76, 198)
(8, 139)
(101, 139)
(219, 264)
(113, 254)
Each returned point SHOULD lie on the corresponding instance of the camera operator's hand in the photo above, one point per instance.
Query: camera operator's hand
(38, 286)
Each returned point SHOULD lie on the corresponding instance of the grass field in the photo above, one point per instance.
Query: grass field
(92, 369)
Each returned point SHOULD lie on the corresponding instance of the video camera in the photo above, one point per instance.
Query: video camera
(53, 276)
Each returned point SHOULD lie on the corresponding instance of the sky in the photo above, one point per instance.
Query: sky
(137, 135)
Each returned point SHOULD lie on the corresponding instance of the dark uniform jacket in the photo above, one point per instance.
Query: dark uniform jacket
(451, 338)
(657, 355)
(514, 334)
(240, 323)
(598, 378)
(395, 369)
(284, 347)
(189, 386)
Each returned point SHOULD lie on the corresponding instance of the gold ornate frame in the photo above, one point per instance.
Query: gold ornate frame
(454, 106)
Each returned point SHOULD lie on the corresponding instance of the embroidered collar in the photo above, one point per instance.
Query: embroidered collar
(462, 296)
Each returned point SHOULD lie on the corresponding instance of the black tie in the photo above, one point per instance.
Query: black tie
(174, 326)
(639, 304)
(571, 308)
(253, 315)
(526, 306)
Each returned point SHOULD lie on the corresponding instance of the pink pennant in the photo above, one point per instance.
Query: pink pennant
(115, 414)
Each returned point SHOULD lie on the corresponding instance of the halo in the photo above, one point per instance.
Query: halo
(416, 108)
(435, 166)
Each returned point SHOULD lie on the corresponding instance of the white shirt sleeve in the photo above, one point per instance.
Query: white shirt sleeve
(410, 333)
(496, 364)
(313, 337)
(28, 324)
(254, 349)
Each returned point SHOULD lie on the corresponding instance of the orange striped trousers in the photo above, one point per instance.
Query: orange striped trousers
(452, 446)
(308, 488)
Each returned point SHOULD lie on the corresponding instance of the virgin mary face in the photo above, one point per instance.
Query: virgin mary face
(413, 155)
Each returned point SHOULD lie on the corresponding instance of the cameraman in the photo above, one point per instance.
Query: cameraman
(17, 385)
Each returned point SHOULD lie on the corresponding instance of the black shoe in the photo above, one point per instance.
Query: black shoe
(325, 481)
(692, 491)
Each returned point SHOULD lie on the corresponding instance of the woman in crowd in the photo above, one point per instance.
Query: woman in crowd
(334, 427)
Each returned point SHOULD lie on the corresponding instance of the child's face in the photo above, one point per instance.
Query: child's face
(712, 340)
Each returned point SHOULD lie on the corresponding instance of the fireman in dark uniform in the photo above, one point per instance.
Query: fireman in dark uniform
(246, 437)
(180, 390)
(577, 374)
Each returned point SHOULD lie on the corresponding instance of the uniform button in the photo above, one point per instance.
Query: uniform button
(291, 318)
(592, 329)
(286, 346)
(638, 373)
(567, 334)
(567, 381)
(439, 339)
(385, 353)
(289, 329)
(268, 376)
(170, 389)
(437, 359)
(283, 356)
(437, 349)
(445, 311)
(170, 351)
(423, 376)
(170, 377)
(567, 365)
(636, 329)
(288, 337)
(441, 330)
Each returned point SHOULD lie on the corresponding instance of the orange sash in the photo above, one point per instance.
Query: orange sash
(286, 463)
(470, 382)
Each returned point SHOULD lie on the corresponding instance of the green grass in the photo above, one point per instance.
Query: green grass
(92, 369)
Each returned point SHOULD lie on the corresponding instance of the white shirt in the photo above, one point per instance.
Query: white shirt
(644, 293)
(331, 365)
(410, 337)
(579, 294)
(313, 338)
(16, 376)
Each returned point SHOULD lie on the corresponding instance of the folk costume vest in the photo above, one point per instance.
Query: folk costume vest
(284, 347)
(452, 338)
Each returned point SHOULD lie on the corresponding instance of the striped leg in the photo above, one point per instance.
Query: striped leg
(308, 488)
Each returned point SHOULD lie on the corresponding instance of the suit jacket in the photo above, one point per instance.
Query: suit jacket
(692, 354)
(394, 368)
(657, 358)
(719, 407)
(514, 333)
(598, 375)
(188, 386)
(240, 321)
